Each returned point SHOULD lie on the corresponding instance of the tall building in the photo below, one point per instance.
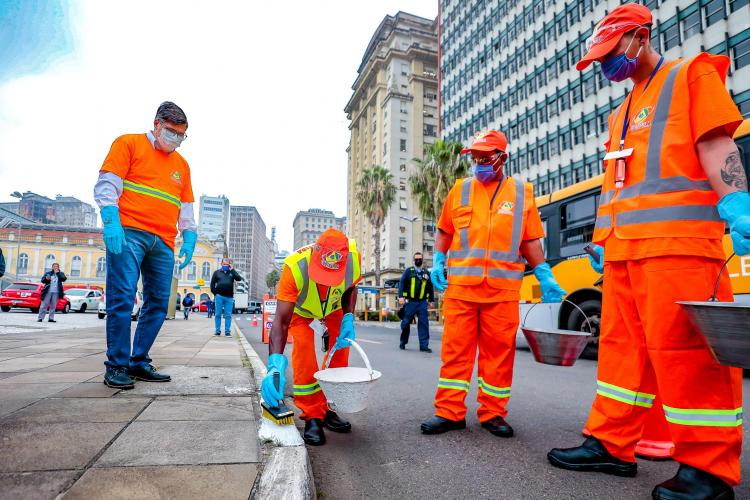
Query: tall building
(393, 114)
(250, 249)
(37, 208)
(310, 224)
(213, 217)
(70, 211)
(510, 65)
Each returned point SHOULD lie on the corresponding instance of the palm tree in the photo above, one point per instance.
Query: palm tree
(375, 194)
(435, 176)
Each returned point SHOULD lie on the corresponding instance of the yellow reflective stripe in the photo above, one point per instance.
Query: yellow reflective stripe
(152, 192)
(449, 383)
(421, 292)
(491, 390)
(704, 417)
(306, 390)
(413, 282)
(624, 395)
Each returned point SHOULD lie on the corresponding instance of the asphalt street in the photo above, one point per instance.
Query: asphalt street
(386, 455)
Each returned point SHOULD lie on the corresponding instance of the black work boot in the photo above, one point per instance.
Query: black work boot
(591, 456)
(148, 374)
(314, 435)
(693, 484)
(439, 425)
(117, 378)
(335, 423)
(499, 427)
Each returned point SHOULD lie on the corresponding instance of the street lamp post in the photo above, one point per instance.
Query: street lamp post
(16, 194)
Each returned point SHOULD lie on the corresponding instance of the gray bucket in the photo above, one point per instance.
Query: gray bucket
(726, 327)
(554, 346)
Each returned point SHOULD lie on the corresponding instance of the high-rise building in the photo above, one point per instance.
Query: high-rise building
(213, 217)
(70, 211)
(511, 66)
(310, 224)
(250, 249)
(393, 114)
(37, 208)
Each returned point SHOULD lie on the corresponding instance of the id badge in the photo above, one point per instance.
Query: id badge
(318, 327)
(615, 155)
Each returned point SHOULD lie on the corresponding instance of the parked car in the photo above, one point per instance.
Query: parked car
(137, 303)
(83, 299)
(22, 295)
(255, 307)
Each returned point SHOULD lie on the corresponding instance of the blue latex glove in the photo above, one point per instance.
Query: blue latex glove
(276, 364)
(114, 235)
(735, 209)
(347, 331)
(551, 291)
(598, 267)
(437, 276)
(188, 247)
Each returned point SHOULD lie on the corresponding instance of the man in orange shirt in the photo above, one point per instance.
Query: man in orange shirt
(144, 194)
(670, 159)
(488, 226)
(317, 294)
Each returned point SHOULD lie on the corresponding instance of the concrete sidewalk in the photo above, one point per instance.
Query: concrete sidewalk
(64, 433)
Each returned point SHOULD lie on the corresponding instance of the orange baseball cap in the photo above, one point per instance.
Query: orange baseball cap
(609, 31)
(488, 141)
(328, 260)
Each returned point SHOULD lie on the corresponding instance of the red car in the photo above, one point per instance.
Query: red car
(28, 295)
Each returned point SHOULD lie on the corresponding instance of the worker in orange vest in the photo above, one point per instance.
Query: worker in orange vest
(489, 224)
(670, 159)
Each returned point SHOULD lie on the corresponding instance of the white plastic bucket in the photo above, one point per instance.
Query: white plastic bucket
(348, 389)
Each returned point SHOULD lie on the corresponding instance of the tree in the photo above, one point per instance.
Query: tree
(375, 193)
(435, 176)
(272, 279)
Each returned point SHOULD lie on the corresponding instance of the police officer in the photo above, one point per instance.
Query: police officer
(414, 289)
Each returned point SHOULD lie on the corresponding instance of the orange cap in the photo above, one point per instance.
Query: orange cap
(328, 260)
(609, 31)
(489, 140)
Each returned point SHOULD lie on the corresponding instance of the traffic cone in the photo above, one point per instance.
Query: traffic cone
(255, 320)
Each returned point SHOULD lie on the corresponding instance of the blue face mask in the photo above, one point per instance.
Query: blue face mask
(620, 67)
(225, 268)
(484, 173)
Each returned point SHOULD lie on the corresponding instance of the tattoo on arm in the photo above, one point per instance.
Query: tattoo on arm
(732, 172)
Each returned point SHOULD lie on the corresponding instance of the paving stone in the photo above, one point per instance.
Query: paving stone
(228, 482)
(24, 364)
(79, 365)
(183, 443)
(88, 390)
(32, 447)
(45, 484)
(8, 406)
(4, 375)
(190, 380)
(198, 408)
(61, 410)
(31, 391)
(54, 377)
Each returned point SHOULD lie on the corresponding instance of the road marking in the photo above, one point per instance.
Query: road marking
(360, 339)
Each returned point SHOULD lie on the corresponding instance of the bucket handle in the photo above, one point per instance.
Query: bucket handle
(718, 280)
(523, 324)
(359, 350)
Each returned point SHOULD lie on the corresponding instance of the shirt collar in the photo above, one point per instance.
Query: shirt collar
(151, 138)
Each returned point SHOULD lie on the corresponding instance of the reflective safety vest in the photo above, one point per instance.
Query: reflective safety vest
(309, 303)
(487, 240)
(666, 192)
(416, 284)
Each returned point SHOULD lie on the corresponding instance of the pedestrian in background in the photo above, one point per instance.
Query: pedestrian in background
(51, 292)
(145, 196)
(187, 304)
(222, 286)
(414, 291)
(2, 264)
(209, 307)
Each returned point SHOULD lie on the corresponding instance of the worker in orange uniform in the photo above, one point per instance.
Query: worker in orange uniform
(488, 225)
(670, 159)
(316, 295)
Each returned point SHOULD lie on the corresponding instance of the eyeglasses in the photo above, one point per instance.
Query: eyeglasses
(173, 135)
(486, 160)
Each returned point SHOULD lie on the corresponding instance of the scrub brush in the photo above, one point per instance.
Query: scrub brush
(280, 414)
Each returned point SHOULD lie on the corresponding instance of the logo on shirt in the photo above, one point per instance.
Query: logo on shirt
(176, 177)
(506, 208)
(642, 119)
(335, 298)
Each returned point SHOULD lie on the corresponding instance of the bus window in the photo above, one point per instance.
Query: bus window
(577, 220)
(545, 240)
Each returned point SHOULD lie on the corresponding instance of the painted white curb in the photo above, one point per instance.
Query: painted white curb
(288, 472)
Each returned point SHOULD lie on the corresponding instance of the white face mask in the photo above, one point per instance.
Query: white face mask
(168, 140)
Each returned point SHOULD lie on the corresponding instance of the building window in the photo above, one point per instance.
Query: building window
(691, 25)
(742, 54)
(735, 5)
(401, 204)
(402, 243)
(192, 271)
(402, 167)
(206, 271)
(48, 261)
(671, 37)
(23, 264)
(714, 11)
(75, 266)
(101, 267)
(402, 145)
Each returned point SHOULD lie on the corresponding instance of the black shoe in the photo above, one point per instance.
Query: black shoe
(335, 423)
(400, 346)
(117, 378)
(426, 349)
(51, 321)
(39, 320)
(591, 456)
(499, 427)
(693, 484)
(227, 334)
(439, 425)
(314, 435)
(148, 374)
(218, 334)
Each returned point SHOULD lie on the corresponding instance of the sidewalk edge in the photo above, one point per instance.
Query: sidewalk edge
(288, 472)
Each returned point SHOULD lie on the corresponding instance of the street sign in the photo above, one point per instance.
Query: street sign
(269, 306)
(367, 289)
(269, 324)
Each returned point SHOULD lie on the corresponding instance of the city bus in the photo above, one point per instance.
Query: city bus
(568, 216)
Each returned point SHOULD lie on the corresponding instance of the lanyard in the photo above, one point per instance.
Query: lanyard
(324, 303)
(630, 98)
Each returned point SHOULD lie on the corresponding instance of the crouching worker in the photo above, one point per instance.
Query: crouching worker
(316, 296)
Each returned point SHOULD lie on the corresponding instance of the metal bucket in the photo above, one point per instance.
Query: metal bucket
(554, 346)
(347, 389)
(725, 326)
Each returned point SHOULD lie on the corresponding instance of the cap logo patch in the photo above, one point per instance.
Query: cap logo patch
(331, 260)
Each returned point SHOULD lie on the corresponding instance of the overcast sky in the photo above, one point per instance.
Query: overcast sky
(264, 85)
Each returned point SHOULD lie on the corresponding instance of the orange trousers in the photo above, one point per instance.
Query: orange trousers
(491, 328)
(649, 346)
(308, 396)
